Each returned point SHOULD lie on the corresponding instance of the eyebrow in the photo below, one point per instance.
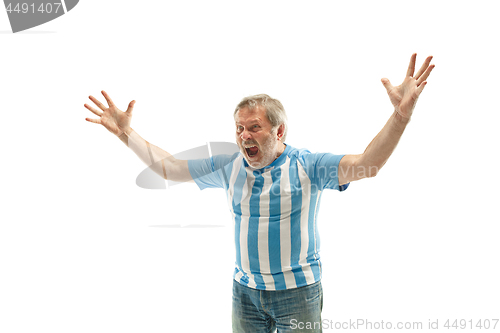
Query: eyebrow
(251, 122)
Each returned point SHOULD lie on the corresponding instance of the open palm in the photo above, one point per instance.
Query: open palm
(404, 97)
(111, 117)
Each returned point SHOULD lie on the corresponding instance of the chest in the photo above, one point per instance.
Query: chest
(272, 193)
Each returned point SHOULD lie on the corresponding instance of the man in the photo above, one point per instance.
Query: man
(273, 193)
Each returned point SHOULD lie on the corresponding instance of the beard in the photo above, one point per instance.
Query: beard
(267, 152)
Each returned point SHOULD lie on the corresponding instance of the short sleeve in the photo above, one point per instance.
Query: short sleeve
(209, 172)
(325, 168)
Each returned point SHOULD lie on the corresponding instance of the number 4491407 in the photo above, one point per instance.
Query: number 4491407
(480, 324)
(25, 8)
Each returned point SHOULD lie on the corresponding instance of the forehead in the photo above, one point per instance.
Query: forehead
(245, 115)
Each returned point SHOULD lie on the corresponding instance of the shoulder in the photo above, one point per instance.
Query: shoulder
(304, 156)
(311, 161)
(222, 160)
(298, 153)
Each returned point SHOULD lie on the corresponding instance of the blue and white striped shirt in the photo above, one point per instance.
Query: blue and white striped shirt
(274, 211)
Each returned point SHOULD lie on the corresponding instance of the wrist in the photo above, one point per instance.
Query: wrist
(400, 119)
(125, 135)
(125, 131)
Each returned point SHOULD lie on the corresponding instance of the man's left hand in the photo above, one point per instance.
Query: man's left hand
(404, 97)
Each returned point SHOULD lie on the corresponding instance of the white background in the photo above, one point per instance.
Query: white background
(82, 248)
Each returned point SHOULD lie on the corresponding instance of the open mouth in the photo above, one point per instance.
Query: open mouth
(251, 151)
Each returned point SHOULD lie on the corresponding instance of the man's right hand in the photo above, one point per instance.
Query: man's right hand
(115, 121)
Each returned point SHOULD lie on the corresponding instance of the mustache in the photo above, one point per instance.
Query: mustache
(244, 143)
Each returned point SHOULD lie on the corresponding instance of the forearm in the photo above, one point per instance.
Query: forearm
(381, 147)
(160, 161)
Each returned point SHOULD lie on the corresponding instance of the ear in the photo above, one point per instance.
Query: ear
(281, 131)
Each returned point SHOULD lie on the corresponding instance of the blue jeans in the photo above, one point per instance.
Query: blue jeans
(289, 311)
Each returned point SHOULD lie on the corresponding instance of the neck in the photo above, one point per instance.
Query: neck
(281, 149)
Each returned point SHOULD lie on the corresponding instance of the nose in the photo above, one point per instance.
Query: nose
(245, 135)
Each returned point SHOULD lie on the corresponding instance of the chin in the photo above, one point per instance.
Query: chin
(254, 164)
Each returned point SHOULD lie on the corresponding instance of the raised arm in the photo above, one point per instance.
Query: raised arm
(404, 98)
(118, 123)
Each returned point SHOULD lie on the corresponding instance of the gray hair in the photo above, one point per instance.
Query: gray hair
(275, 111)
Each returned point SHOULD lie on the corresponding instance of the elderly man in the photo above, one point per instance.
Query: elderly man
(273, 192)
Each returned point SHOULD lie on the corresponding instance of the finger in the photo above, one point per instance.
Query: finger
(97, 113)
(387, 84)
(96, 102)
(421, 87)
(425, 75)
(130, 107)
(424, 67)
(108, 99)
(96, 121)
(411, 66)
